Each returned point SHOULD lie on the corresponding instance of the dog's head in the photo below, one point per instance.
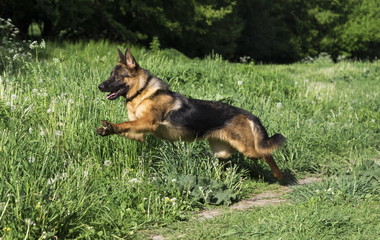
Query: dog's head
(121, 76)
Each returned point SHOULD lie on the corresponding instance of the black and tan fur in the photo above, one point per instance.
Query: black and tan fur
(153, 108)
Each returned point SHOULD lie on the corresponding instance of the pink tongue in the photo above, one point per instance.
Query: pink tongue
(111, 95)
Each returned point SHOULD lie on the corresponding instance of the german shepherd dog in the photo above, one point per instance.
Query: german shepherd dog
(153, 108)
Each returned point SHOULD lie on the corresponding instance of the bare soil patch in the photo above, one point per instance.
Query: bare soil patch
(269, 197)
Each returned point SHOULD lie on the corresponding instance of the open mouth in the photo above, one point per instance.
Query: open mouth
(118, 93)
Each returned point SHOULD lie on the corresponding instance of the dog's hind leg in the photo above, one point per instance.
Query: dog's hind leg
(220, 148)
(273, 166)
(242, 135)
(251, 152)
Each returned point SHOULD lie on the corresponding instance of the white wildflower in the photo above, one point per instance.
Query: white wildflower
(55, 60)
(50, 181)
(134, 180)
(239, 83)
(173, 200)
(8, 104)
(107, 163)
(58, 133)
(29, 221)
(33, 45)
(42, 44)
(42, 133)
(279, 105)
(174, 180)
(50, 110)
(34, 90)
(31, 159)
(13, 96)
(61, 176)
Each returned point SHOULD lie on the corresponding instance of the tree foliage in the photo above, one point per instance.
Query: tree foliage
(269, 31)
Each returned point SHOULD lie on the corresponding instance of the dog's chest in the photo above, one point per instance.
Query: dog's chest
(131, 113)
(136, 110)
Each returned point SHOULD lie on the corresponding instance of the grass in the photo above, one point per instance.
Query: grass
(309, 220)
(345, 206)
(59, 179)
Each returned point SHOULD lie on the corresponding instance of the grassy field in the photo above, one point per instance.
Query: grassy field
(60, 180)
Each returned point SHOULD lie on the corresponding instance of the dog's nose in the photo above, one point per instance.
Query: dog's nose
(101, 87)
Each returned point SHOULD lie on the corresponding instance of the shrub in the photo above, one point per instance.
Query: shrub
(12, 51)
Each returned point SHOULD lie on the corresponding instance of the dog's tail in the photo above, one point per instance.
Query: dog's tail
(265, 145)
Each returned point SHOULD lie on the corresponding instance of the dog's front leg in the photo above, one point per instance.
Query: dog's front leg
(109, 128)
(106, 129)
(141, 125)
(137, 126)
(134, 136)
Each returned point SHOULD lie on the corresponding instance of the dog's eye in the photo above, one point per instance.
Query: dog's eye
(120, 77)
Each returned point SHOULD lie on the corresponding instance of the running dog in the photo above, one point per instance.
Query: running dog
(153, 108)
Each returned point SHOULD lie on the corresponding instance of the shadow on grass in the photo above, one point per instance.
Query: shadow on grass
(258, 170)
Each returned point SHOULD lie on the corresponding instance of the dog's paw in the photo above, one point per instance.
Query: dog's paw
(106, 129)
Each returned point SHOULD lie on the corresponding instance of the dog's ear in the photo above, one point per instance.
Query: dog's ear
(130, 60)
(121, 57)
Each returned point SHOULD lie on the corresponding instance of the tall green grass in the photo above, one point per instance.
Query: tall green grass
(58, 178)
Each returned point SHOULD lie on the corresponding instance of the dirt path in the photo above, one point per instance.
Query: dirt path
(270, 197)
